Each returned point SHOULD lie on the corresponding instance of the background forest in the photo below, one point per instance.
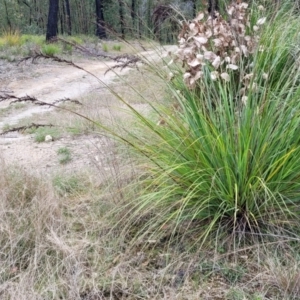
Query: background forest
(131, 18)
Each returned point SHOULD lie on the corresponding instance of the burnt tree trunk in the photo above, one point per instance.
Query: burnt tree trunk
(52, 20)
(100, 29)
(194, 8)
(213, 6)
(133, 12)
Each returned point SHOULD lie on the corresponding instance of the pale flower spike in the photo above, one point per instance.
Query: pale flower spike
(220, 45)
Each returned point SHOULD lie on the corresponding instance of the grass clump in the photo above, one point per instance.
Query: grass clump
(105, 47)
(33, 39)
(64, 154)
(225, 162)
(75, 39)
(40, 133)
(69, 184)
(11, 38)
(51, 49)
(2, 42)
(6, 127)
(117, 47)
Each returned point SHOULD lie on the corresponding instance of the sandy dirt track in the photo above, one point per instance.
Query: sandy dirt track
(49, 82)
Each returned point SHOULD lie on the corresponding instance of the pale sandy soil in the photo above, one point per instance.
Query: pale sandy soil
(48, 82)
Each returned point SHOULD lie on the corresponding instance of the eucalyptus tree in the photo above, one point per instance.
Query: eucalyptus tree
(122, 18)
(100, 23)
(52, 20)
(68, 17)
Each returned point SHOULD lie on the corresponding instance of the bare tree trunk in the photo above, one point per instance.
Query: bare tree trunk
(68, 17)
(194, 8)
(149, 21)
(62, 14)
(52, 20)
(84, 16)
(7, 16)
(30, 16)
(100, 29)
(140, 18)
(122, 19)
(133, 12)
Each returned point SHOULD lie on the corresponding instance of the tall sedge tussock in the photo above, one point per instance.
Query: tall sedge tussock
(227, 159)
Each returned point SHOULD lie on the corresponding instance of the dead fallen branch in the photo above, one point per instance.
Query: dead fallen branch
(26, 127)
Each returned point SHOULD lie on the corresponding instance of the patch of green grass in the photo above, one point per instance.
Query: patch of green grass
(6, 110)
(6, 127)
(15, 45)
(41, 132)
(2, 43)
(11, 38)
(67, 47)
(51, 49)
(69, 184)
(232, 273)
(64, 154)
(75, 130)
(7, 56)
(18, 105)
(75, 39)
(117, 47)
(33, 39)
(235, 294)
(105, 47)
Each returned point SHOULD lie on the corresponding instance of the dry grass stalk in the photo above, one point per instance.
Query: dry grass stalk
(35, 100)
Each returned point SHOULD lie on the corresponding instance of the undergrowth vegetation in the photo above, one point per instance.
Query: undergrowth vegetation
(223, 161)
(200, 198)
(14, 45)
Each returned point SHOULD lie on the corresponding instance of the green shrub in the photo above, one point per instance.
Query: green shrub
(41, 132)
(33, 39)
(51, 49)
(64, 155)
(75, 39)
(105, 47)
(2, 43)
(227, 159)
(117, 47)
(69, 184)
(12, 37)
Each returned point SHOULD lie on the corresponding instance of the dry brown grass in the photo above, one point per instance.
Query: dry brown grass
(67, 238)
(68, 245)
(51, 245)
